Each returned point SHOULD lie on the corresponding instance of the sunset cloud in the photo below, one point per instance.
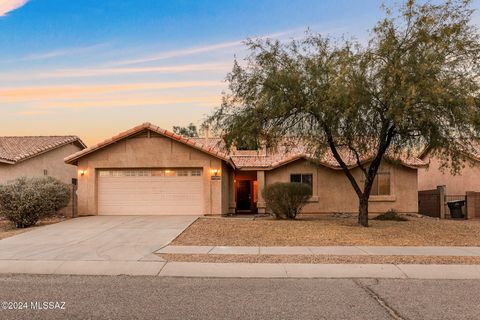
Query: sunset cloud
(126, 101)
(100, 71)
(26, 94)
(9, 5)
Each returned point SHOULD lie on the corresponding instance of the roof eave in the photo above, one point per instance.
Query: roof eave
(7, 161)
(73, 159)
(31, 156)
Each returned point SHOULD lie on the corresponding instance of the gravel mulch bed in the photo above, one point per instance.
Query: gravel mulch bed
(329, 230)
(320, 259)
(7, 229)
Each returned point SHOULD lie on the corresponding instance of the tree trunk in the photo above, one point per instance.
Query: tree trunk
(363, 211)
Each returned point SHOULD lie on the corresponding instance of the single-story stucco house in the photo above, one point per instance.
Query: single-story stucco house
(150, 171)
(35, 156)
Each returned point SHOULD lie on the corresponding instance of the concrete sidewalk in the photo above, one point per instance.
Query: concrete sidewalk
(330, 250)
(241, 270)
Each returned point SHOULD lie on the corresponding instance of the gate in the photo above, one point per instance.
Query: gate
(429, 203)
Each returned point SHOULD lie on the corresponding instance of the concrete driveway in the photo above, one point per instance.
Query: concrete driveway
(98, 238)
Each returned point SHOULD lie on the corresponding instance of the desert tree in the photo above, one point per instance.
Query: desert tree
(415, 83)
(189, 131)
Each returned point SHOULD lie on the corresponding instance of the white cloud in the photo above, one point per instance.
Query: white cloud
(65, 52)
(9, 5)
(181, 53)
(236, 44)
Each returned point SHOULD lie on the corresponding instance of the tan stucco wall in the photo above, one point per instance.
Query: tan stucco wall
(52, 161)
(467, 180)
(155, 152)
(332, 192)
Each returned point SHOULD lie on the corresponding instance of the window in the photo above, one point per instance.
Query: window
(381, 184)
(144, 173)
(196, 173)
(45, 172)
(130, 173)
(303, 178)
(151, 173)
(182, 173)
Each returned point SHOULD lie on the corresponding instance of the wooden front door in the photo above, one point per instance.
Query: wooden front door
(244, 195)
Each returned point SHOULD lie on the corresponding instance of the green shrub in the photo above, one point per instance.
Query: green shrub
(391, 215)
(286, 199)
(25, 200)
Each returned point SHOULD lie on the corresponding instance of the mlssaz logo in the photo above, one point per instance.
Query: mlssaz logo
(47, 305)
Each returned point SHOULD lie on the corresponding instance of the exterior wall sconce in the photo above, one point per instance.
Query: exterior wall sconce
(81, 172)
(215, 172)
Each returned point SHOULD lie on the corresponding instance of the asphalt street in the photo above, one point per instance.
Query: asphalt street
(122, 297)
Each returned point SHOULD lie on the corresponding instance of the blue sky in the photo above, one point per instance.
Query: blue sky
(94, 68)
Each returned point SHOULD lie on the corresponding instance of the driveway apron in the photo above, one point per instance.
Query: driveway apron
(96, 238)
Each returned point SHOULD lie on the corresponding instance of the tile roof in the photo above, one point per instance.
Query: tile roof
(283, 154)
(207, 148)
(286, 154)
(16, 149)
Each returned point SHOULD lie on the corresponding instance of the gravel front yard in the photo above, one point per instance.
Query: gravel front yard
(329, 230)
(7, 229)
(323, 259)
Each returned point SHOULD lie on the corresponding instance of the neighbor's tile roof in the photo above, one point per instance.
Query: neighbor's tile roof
(15, 149)
(207, 148)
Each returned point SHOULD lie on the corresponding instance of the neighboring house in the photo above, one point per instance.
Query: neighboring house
(439, 186)
(468, 179)
(38, 156)
(150, 171)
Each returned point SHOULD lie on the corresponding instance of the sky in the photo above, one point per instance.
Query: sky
(95, 68)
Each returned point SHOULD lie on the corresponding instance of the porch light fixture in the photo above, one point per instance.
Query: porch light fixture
(215, 172)
(81, 172)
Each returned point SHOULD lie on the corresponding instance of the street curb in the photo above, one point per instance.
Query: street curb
(269, 270)
(241, 270)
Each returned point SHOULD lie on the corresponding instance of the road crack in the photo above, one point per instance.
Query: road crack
(391, 311)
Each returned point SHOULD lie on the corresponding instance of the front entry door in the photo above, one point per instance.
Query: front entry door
(244, 195)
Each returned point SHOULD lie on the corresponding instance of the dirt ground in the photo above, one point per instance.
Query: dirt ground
(330, 230)
(7, 229)
(319, 259)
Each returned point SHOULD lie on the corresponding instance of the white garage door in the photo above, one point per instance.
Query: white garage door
(150, 192)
